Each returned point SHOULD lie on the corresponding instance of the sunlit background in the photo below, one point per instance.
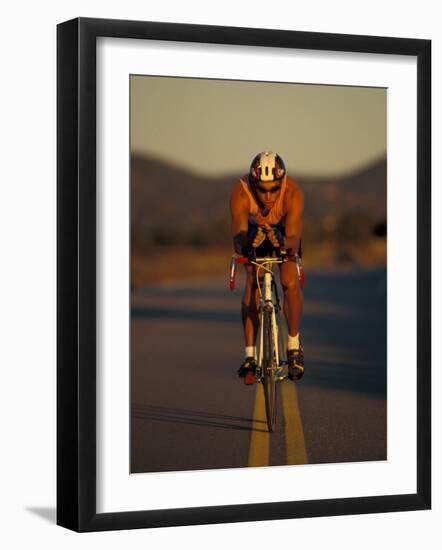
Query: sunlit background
(215, 127)
(191, 139)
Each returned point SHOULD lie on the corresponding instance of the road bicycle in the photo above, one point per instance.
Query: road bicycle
(271, 364)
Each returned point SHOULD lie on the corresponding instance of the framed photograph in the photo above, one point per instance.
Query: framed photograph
(243, 274)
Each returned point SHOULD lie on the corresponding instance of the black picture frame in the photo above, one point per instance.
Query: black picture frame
(77, 287)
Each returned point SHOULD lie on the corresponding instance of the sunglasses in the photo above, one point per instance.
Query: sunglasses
(273, 189)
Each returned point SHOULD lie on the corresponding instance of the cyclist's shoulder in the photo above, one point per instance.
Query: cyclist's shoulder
(238, 193)
(294, 190)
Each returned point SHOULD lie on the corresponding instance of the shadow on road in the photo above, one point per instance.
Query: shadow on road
(193, 417)
(182, 314)
(348, 353)
(347, 377)
(343, 326)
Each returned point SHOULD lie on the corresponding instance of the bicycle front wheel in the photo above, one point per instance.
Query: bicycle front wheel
(269, 368)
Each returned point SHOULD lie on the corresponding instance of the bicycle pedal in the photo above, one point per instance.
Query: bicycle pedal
(279, 374)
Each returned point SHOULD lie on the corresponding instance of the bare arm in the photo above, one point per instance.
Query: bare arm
(293, 224)
(239, 209)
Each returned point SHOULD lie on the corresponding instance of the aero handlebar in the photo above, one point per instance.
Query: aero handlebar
(283, 257)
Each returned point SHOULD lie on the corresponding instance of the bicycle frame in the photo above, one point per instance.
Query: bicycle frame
(262, 264)
(269, 369)
(266, 303)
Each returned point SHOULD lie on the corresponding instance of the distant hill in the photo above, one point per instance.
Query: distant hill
(168, 202)
(364, 190)
(161, 194)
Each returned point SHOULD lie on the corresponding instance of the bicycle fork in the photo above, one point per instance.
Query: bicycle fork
(268, 306)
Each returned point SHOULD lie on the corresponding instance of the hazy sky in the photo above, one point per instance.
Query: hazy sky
(216, 126)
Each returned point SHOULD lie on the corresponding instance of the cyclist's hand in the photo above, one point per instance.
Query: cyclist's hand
(259, 239)
(272, 236)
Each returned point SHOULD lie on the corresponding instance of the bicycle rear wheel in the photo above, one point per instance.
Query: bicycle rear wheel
(269, 369)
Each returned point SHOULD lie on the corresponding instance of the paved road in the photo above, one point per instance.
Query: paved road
(190, 411)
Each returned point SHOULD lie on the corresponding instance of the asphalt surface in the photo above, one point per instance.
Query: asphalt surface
(189, 410)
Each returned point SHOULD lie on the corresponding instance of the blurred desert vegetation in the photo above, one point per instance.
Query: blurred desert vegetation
(180, 222)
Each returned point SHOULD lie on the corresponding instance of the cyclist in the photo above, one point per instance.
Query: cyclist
(266, 207)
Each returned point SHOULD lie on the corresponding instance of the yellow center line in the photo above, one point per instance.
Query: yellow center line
(259, 451)
(294, 433)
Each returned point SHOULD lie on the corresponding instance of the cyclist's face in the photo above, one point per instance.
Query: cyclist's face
(268, 191)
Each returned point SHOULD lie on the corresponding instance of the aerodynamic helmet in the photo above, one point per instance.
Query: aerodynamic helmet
(267, 166)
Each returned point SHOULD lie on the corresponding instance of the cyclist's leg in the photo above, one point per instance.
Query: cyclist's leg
(293, 297)
(249, 307)
(293, 303)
